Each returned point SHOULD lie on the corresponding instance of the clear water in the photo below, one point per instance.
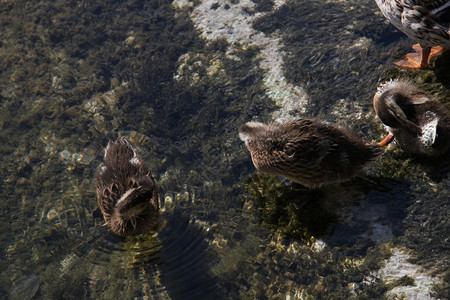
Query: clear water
(177, 80)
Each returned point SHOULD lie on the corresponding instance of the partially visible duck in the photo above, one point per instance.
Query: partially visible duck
(126, 191)
(425, 21)
(307, 151)
(417, 122)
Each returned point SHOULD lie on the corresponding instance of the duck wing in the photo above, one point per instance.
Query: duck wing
(424, 21)
(305, 144)
(431, 4)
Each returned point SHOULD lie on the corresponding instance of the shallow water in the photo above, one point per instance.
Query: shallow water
(177, 80)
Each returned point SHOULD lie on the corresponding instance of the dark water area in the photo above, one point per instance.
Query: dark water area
(177, 79)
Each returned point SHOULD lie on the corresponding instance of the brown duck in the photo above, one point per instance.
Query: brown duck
(418, 123)
(126, 191)
(307, 151)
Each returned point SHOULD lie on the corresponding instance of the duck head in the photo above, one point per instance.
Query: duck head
(418, 122)
(251, 130)
(394, 103)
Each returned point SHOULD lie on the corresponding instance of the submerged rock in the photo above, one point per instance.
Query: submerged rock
(25, 287)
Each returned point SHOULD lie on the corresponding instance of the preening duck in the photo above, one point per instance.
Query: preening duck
(127, 194)
(417, 122)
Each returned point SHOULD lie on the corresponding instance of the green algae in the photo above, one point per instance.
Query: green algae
(287, 209)
(263, 5)
(55, 136)
(75, 75)
(403, 281)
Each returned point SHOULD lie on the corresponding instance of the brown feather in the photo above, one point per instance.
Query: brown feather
(307, 151)
(406, 111)
(126, 191)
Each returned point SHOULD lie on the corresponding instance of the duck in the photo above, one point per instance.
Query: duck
(425, 21)
(307, 151)
(415, 120)
(127, 194)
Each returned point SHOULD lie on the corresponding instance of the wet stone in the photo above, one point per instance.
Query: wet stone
(84, 159)
(25, 287)
(52, 215)
(65, 155)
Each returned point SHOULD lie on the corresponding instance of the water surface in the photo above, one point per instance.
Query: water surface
(177, 80)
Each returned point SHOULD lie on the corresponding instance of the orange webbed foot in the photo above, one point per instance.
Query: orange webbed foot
(434, 51)
(419, 59)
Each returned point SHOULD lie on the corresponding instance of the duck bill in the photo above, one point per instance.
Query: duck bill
(414, 128)
(387, 140)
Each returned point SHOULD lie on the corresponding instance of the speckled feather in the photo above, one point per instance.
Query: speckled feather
(423, 21)
(307, 151)
(126, 191)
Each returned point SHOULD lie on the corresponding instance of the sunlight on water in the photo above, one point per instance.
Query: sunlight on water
(177, 79)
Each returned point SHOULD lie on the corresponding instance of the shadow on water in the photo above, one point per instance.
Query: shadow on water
(186, 260)
(442, 65)
(343, 229)
(77, 74)
(378, 215)
(437, 169)
(336, 57)
(364, 208)
(294, 210)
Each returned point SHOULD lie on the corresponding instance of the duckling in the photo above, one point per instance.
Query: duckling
(126, 191)
(307, 151)
(418, 123)
(426, 21)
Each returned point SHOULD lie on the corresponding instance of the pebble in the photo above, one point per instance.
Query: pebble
(52, 214)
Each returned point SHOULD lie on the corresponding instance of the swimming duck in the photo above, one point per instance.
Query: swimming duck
(418, 123)
(126, 191)
(306, 151)
(426, 21)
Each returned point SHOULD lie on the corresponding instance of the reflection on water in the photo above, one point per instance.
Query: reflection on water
(77, 74)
